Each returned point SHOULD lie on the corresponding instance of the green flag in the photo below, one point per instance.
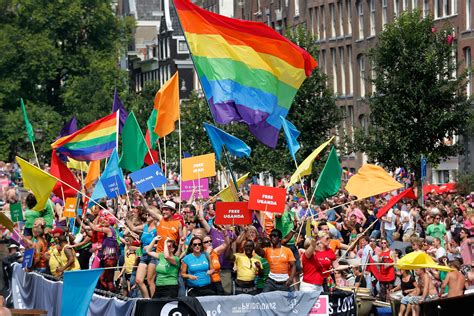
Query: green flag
(151, 128)
(134, 147)
(29, 128)
(329, 181)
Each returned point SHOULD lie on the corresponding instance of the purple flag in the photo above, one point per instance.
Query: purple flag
(118, 105)
(69, 128)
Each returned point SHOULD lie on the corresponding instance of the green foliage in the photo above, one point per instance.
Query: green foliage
(465, 183)
(417, 103)
(61, 57)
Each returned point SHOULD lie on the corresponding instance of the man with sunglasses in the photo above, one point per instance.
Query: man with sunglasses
(281, 261)
(437, 229)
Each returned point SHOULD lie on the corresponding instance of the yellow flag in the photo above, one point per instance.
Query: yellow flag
(5, 221)
(307, 165)
(226, 194)
(38, 181)
(418, 260)
(166, 104)
(78, 165)
(371, 180)
(92, 174)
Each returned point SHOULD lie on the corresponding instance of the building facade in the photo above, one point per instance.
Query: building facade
(345, 31)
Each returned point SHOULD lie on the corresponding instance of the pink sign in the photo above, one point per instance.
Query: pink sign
(321, 307)
(200, 188)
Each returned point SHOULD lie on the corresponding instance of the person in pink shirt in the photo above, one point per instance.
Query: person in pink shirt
(467, 245)
(360, 217)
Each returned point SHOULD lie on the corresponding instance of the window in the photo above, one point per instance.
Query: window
(372, 78)
(339, 12)
(311, 20)
(468, 14)
(323, 61)
(468, 65)
(349, 62)
(332, 11)
(350, 109)
(334, 70)
(361, 64)
(323, 23)
(384, 12)
(404, 5)
(372, 17)
(360, 11)
(343, 70)
(182, 47)
(297, 7)
(318, 22)
(414, 4)
(396, 8)
(426, 8)
(444, 8)
(349, 16)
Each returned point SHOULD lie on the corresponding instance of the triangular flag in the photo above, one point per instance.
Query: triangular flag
(407, 194)
(112, 170)
(6, 222)
(60, 171)
(291, 135)
(69, 127)
(78, 288)
(38, 181)
(151, 123)
(134, 147)
(118, 105)
(226, 193)
(219, 138)
(167, 104)
(329, 180)
(371, 180)
(307, 165)
(93, 173)
(29, 127)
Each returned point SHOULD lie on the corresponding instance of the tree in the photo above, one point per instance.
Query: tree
(61, 57)
(419, 103)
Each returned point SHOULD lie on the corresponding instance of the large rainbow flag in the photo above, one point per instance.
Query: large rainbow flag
(93, 142)
(249, 72)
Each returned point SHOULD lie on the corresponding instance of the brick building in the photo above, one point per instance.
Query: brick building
(346, 30)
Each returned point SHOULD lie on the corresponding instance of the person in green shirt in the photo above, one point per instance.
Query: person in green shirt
(31, 215)
(437, 229)
(167, 268)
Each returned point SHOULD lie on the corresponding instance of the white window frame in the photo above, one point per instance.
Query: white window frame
(323, 22)
(178, 41)
(340, 14)
(349, 16)
(468, 67)
(404, 5)
(351, 77)
(343, 70)
(372, 17)
(414, 4)
(334, 71)
(361, 65)
(426, 8)
(468, 14)
(384, 12)
(396, 8)
(360, 13)
(297, 7)
(332, 12)
(318, 25)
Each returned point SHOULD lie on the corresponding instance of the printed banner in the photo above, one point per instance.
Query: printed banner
(200, 188)
(70, 207)
(28, 258)
(199, 167)
(148, 178)
(272, 303)
(338, 303)
(233, 213)
(268, 199)
(16, 213)
(321, 307)
(113, 186)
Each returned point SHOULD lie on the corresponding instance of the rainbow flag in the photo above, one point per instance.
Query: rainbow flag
(249, 72)
(93, 142)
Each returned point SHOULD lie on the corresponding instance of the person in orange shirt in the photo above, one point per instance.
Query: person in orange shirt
(281, 261)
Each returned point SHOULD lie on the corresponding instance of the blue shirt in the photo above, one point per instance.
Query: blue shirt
(147, 236)
(331, 214)
(197, 266)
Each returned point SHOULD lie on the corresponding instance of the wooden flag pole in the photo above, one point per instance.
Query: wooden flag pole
(166, 168)
(36, 156)
(180, 161)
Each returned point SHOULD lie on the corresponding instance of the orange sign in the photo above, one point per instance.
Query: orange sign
(199, 167)
(70, 207)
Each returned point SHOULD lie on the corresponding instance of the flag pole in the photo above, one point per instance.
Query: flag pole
(36, 156)
(180, 160)
(166, 168)
(207, 101)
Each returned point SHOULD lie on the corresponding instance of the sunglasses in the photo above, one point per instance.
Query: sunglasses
(199, 244)
(189, 223)
(437, 217)
(207, 242)
(274, 236)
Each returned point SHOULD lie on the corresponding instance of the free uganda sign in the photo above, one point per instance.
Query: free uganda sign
(233, 213)
(199, 167)
(268, 199)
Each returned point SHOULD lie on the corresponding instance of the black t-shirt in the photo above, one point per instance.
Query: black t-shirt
(361, 280)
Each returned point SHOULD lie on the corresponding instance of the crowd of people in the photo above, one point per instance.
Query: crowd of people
(155, 246)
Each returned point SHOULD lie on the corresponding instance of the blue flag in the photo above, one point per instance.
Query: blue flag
(219, 138)
(291, 134)
(78, 288)
(148, 178)
(111, 170)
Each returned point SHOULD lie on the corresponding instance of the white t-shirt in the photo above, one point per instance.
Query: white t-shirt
(440, 252)
(390, 225)
(404, 215)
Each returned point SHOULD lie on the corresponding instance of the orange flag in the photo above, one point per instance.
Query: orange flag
(92, 174)
(167, 105)
(371, 180)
